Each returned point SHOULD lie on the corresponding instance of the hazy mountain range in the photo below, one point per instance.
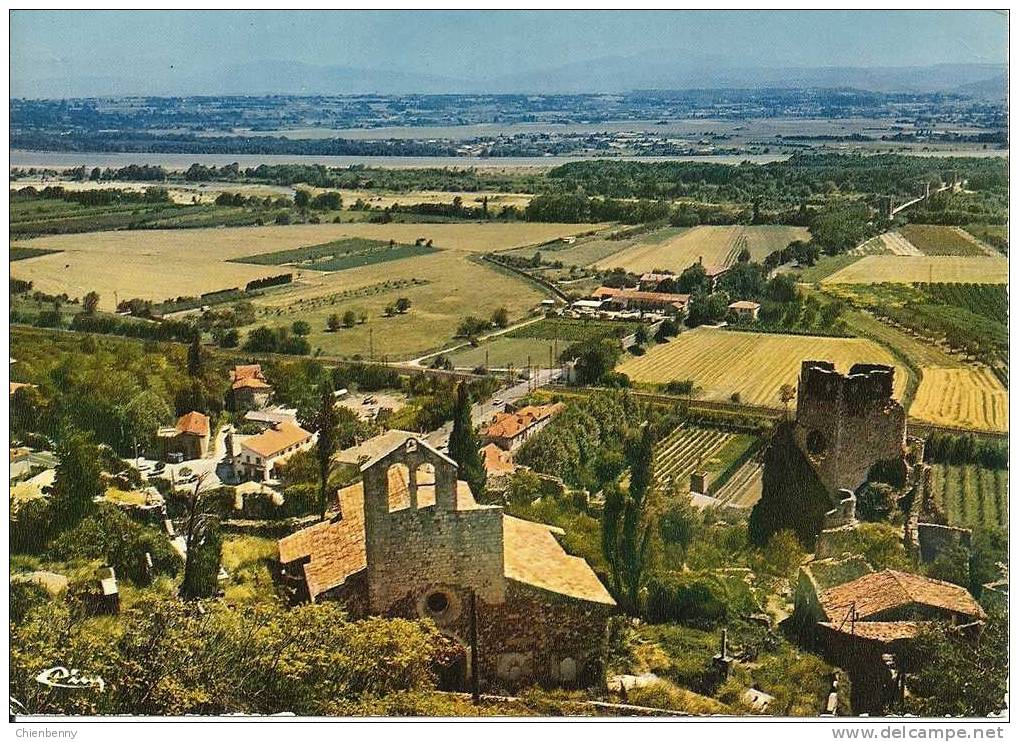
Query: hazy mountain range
(663, 70)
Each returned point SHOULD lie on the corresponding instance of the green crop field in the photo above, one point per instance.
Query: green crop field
(339, 255)
(932, 239)
(572, 330)
(971, 495)
(989, 300)
(24, 253)
(505, 351)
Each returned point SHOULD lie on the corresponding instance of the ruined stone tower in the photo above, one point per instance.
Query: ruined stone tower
(847, 423)
(427, 546)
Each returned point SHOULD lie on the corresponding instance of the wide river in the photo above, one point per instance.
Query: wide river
(63, 160)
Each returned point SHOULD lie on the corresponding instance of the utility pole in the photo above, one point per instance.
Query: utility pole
(475, 680)
(371, 345)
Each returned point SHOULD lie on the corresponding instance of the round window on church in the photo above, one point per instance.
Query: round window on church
(437, 603)
(816, 444)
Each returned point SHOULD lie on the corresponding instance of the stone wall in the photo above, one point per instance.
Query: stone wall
(415, 548)
(532, 637)
(847, 423)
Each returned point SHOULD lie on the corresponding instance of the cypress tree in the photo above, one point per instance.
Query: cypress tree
(464, 447)
(327, 422)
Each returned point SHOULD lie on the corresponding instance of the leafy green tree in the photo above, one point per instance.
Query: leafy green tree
(333, 323)
(78, 481)
(301, 327)
(464, 447)
(876, 501)
(349, 318)
(195, 362)
(678, 523)
(327, 423)
(693, 280)
(628, 522)
(402, 305)
(302, 198)
(500, 317)
(951, 565)
(203, 547)
(960, 676)
(783, 554)
(595, 358)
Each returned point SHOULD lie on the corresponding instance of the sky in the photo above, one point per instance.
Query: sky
(481, 45)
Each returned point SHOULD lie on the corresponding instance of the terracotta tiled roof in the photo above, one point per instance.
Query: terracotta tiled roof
(512, 424)
(274, 440)
(881, 591)
(497, 461)
(885, 631)
(604, 292)
(194, 423)
(374, 446)
(248, 377)
(534, 556)
(251, 371)
(250, 383)
(336, 547)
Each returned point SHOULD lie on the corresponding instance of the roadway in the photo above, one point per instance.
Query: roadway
(482, 411)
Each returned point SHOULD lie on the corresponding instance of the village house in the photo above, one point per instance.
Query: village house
(260, 453)
(867, 625)
(645, 301)
(410, 541)
(746, 311)
(651, 281)
(189, 437)
(508, 430)
(248, 388)
(498, 463)
(270, 416)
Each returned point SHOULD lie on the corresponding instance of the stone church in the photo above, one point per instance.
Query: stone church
(410, 541)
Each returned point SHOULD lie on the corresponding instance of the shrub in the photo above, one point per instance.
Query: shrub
(110, 535)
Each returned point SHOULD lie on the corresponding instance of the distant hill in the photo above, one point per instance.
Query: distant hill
(661, 70)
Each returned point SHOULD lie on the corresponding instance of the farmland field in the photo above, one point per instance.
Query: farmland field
(964, 397)
(572, 330)
(156, 264)
(971, 495)
(754, 365)
(443, 287)
(534, 341)
(688, 447)
(912, 269)
(24, 253)
(932, 239)
(503, 352)
(987, 300)
(717, 246)
(994, 235)
(888, 243)
(339, 255)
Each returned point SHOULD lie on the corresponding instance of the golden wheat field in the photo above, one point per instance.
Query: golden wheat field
(158, 264)
(963, 397)
(921, 269)
(714, 245)
(754, 365)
